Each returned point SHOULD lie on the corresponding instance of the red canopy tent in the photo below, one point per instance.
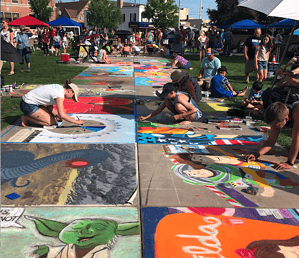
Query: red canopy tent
(28, 21)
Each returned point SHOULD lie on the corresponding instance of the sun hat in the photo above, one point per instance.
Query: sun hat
(209, 51)
(167, 88)
(75, 88)
(177, 75)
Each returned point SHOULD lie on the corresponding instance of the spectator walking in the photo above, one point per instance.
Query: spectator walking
(212, 37)
(60, 30)
(52, 33)
(183, 40)
(278, 43)
(104, 36)
(7, 35)
(227, 39)
(57, 42)
(64, 42)
(203, 43)
(46, 40)
(190, 38)
(250, 46)
(209, 67)
(22, 40)
(261, 57)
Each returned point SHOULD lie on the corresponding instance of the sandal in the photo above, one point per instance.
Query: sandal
(11, 73)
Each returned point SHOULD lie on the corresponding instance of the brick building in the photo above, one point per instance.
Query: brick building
(14, 9)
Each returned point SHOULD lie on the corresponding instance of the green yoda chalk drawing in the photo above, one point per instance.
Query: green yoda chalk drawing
(84, 238)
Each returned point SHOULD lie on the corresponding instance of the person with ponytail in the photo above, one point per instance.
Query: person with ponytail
(38, 104)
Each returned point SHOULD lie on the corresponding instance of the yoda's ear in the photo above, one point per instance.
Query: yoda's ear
(47, 227)
(128, 229)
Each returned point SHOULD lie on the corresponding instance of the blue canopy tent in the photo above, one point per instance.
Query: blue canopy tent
(246, 24)
(286, 23)
(65, 22)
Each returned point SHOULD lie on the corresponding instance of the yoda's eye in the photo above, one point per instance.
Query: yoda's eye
(188, 171)
(194, 174)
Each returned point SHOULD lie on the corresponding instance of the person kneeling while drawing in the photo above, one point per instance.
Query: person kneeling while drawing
(180, 103)
(37, 105)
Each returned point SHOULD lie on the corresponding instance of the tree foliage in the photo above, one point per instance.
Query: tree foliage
(41, 9)
(104, 14)
(164, 13)
(228, 12)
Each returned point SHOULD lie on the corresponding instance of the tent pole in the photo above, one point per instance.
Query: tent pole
(284, 52)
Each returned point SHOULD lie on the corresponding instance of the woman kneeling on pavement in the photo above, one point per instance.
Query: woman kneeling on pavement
(37, 105)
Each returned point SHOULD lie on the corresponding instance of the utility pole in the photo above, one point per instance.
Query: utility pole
(200, 10)
(179, 14)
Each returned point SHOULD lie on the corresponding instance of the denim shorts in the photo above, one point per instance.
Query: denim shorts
(262, 65)
(28, 109)
(186, 66)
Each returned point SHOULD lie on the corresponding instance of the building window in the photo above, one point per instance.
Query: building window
(80, 18)
(15, 1)
(124, 17)
(132, 17)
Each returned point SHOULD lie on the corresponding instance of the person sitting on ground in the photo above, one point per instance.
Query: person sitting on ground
(119, 45)
(102, 56)
(185, 83)
(180, 103)
(210, 65)
(136, 50)
(126, 50)
(219, 81)
(278, 115)
(254, 101)
(166, 51)
(37, 104)
(180, 62)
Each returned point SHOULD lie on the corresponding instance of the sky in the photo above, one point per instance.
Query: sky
(193, 6)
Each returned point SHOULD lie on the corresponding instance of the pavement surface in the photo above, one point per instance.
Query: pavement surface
(116, 187)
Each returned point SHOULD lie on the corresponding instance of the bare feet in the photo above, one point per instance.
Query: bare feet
(185, 123)
(24, 121)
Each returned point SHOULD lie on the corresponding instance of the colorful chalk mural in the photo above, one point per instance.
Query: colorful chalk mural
(111, 71)
(68, 174)
(81, 232)
(220, 232)
(99, 105)
(162, 135)
(229, 178)
(97, 128)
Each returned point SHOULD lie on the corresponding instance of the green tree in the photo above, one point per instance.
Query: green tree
(228, 12)
(164, 13)
(41, 9)
(104, 14)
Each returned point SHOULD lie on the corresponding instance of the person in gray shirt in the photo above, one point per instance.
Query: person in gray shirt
(227, 38)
